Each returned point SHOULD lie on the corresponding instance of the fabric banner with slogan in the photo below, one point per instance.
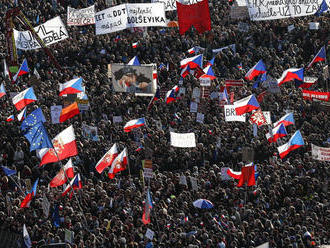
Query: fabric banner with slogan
(55, 112)
(270, 10)
(134, 79)
(129, 16)
(183, 139)
(49, 32)
(311, 95)
(90, 132)
(321, 153)
(230, 114)
(81, 17)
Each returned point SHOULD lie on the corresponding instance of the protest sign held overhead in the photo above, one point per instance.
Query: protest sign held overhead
(183, 139)
(321, 153)
(50, 32)
(230, 114)
(81, 17)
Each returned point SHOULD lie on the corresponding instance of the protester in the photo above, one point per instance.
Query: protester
(288, 206)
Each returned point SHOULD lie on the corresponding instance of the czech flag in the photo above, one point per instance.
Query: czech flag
(24, 69)
(22, 115)
(193, 62)
(320, 56)
(69, 112)
(2, 90)
(134, 61)
(71, 87)
(64, 144)
(10, 118)
(291, 74)
(191, 50)
(208, 73)
(134, 124)
(24, 98)
(154, 98)
(287, 120)
(277, 132)
(257, 69)
(119, 164)
(171, 95)
(246, 105)
(74, 184)
(60, 177)
(107, 159)
(210, 62)
(135, 44)
(28, 198)
(185, 71)
(295, 142)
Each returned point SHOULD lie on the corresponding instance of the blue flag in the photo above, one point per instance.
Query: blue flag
(38, 137)
(323, 7)
(8, 171)
(37, 19)
(56, 217)
(35, 117)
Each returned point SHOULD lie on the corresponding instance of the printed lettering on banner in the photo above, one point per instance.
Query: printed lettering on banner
(150, 234)
(49, 32)
(224, 174)
(230, 114)
(200, 118)
(183, 139)
(169, 4)
(117, 119)
(45, 206)
(321, 153)
(129, 16)
(193, 107)
(270, 10)
(81, 17)
(241, 2)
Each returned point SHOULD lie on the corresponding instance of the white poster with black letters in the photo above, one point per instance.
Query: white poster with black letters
(49, 32)
(183, 139)
(81, 17)
(230, 114)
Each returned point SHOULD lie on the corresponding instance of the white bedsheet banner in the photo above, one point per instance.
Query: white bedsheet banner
(278, 9)
(81, 17)
(50, 32)
(183, 139)
(128, 16)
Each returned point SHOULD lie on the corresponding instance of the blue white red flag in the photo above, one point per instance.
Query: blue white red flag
(24, 69)
(28, 198)
(193, 62)
(287, 120)
(276, 133)
(2, 90)
(294, 143)
(257, 69)
(171, 95)
(246, 105)
(134, 61)
(134, 124)
(320, 56)
(24, 98)
(73, 86)
(291, 74)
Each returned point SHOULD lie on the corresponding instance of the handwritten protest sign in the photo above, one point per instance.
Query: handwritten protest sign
(183, 139)
(81, 17)
(320, 153)
(50, 32)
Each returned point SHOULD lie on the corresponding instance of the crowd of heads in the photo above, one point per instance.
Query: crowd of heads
(288, 207)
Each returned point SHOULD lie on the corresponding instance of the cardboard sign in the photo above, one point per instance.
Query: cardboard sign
(90, 132)
(148, 173)
(290, 28)
(205, 81)
(314, 25)
(68, 236)
(230, 114)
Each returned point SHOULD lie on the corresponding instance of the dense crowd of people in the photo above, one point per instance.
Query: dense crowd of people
(288, 207)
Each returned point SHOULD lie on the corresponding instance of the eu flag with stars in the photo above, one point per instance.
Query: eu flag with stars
(35, 117)
(38, 137)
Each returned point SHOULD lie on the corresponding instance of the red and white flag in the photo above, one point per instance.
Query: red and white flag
(107, 159)
(74, 184)
(60, 178)
(258, 118)
(64, 144)
(119, 164)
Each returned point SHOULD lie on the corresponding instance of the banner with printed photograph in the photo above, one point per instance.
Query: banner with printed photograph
(183, 139)
(260, 10)
(130, 16)
(133, 79)
(81, 17)
(49, 32)
(90, 132)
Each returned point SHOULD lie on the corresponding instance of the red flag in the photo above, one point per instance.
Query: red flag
(258, 118)
(107, 159)
(261, 96)
(60, 178)
(119, 164)
(247, 176)
(197, 15)
(69, 112)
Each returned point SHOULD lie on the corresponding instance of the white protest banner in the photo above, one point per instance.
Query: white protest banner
(241, 2)
(193, 107)
(200, 118)
(169, 4)
(49, 32)
(129, 16)
(183, 139)
(150, 234)
(45, 206)
(270, 10)
(314, 25)
(224, 174)
(205, 81)
(81, 17)
(230, 114)
(55, 112)
(117, 119)
(320, 153)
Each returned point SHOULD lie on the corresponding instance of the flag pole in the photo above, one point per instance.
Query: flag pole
(17, 185)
